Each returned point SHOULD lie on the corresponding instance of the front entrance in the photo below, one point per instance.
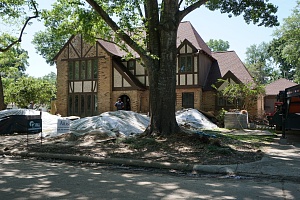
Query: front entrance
(126, 101)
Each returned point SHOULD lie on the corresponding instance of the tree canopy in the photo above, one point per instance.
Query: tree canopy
(13, 61)
(150, 29)
(15, 12)
(285, 47)
(218, 45)
(25, 89)
(259, 63)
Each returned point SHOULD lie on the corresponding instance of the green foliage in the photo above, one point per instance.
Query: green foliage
(25, 89)
(243, 96)
(12, 9)
(259, 12)
(88, 23)
(51, 78)
(260, 64)
(131, 20)
(15, 16)
(14, 57)
(285, 47)
(147, 27)
(218, 45)
(220, 117)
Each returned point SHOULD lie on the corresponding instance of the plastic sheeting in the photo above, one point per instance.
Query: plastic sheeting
(49, 122)
(194, 119)
(113, 123)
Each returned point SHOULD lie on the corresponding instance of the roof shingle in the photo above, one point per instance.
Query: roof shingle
(229, 61)
(278, 85)
(187, 31)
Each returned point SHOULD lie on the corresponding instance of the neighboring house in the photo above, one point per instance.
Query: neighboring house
(90, 79)
(272, 90)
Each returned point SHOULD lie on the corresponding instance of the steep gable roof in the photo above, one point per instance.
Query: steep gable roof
(188, 32)
(114, 49)
(227, 61)
(278, 85)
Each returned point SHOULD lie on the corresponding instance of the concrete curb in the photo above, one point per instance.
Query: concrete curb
(130, 162)
(235, 169)
(216, 169)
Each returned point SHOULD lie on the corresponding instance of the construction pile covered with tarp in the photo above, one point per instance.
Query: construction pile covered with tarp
(114, 123)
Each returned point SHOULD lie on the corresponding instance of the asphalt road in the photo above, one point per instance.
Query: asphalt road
(32, 179)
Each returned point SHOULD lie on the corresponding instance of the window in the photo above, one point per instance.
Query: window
(71, 68)
(95, 69)
(83, 70)
(83, 75)
(221, 101)
(89, 70)
(131, 64)
(188, 100)
(185, 63)
(76, 77)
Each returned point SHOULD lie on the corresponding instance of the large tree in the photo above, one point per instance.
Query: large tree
(260, 63)
(285, 46)
(127, 21)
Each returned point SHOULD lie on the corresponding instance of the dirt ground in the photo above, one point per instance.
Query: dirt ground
(180, 148)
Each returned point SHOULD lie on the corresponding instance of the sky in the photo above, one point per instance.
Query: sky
(209, 24)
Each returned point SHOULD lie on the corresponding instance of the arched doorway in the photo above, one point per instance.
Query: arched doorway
(126, 101)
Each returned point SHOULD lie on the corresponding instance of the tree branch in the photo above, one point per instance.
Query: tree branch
(22, 31)
(191, 8)
(119, 32)
(179, 4)
(140, 11)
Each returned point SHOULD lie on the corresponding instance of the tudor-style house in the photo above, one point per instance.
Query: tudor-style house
(90, 79)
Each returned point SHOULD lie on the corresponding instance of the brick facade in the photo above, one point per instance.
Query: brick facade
(106, 97)
(104, 91)
(62, 85)
(209, 101)
(115, 79)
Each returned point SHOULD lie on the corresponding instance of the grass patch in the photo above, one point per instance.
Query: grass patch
(219, 150)
(253, 138)
(140, 143)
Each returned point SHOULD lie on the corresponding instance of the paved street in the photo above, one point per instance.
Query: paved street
(32, 179)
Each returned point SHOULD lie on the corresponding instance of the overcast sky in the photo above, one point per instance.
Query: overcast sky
(210, 25)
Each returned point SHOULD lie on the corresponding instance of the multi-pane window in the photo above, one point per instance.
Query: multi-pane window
(83, 70)
(82, 75)
(185, 63)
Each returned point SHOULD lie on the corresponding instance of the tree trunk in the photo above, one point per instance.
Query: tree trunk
(162, 80)
(2, 105)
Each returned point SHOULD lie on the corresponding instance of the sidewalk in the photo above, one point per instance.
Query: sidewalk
(280, 160)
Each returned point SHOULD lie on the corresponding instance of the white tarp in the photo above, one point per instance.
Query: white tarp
(115, 122)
